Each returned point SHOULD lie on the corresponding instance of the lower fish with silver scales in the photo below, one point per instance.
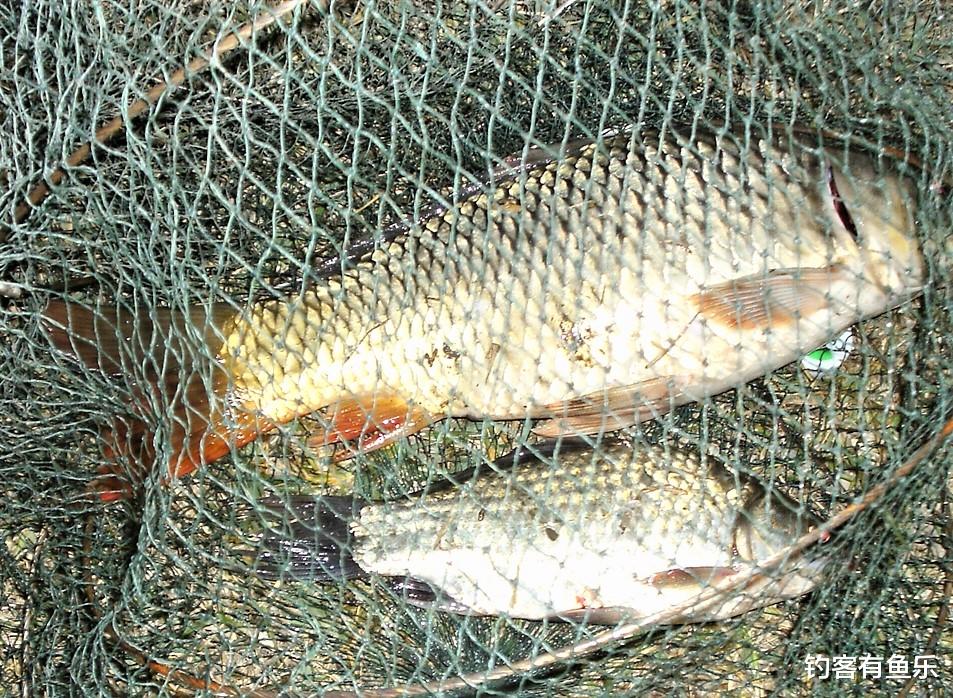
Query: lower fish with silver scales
(564, 531)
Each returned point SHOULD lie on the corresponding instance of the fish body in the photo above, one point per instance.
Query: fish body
(605, 534)
(664, 268)
(593, 287)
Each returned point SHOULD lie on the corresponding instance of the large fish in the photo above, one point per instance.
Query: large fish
(593, 286)
(604, 534)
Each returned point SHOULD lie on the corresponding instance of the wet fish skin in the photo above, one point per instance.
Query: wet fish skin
(595, 288)
(604, 534)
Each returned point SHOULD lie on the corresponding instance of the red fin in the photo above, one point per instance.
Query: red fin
(197, 438)
(690, 576)
(201, 434)
(111, 488)
(372, 421)
(775, 299)
(158, 356)
(615, 408)
(610, 615)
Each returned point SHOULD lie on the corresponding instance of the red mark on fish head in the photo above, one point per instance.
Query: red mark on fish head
(588, 598)
(839, 206)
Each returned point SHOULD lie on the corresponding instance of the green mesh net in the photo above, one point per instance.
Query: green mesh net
(319, 132)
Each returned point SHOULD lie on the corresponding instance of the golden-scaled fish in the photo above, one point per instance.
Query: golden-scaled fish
(571, 533)
(592, 286)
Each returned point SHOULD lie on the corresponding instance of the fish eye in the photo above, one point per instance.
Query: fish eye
(839, 206)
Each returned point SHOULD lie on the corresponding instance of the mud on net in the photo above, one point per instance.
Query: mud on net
(322, 131)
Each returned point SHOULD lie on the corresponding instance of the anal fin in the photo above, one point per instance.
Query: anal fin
(685, 577)
(615, 408)
(612, 615)
(370, 422)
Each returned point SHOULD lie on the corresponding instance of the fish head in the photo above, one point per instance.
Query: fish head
(875, 204)
(770, 524)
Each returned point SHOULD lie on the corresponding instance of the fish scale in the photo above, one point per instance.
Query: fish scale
(595, 289)
(574, 492)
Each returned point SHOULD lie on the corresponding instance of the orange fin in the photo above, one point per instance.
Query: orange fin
(199, 435)
(608, 615)
(166, 357)
(372, 422)
(615, 408)
(775, 299)
(690, 577)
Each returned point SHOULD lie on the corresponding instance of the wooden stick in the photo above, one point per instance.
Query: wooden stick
(108, 131)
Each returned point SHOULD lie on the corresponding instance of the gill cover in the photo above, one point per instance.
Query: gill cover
(870, 196)
(768, 524)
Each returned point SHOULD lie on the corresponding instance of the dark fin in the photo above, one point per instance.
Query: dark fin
(513, 166)
(595, 616)
(312, 540)
(509, 169)
(776, 299)
(527, 455)
(615, 408)
(371, 422)
(422, 595)
(840, 208)
(690, 577)
(115, 339)
(170, 353)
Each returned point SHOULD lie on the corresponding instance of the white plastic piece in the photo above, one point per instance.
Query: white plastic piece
(829, 357)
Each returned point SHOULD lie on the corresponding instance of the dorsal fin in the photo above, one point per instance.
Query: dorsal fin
(510, 169)
(524, 456)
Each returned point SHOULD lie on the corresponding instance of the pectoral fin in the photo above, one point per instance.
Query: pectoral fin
(615, 408)
(596, 616)
(775, 299)
(682, 577)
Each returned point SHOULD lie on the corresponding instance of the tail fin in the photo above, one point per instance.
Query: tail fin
(166, 355)
(317, 543)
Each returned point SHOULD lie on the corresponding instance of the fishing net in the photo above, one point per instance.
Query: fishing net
(318, 133)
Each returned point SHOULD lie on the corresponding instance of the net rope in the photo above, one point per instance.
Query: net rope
(323, 130)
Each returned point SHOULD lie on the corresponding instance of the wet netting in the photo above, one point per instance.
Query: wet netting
(349, 219)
